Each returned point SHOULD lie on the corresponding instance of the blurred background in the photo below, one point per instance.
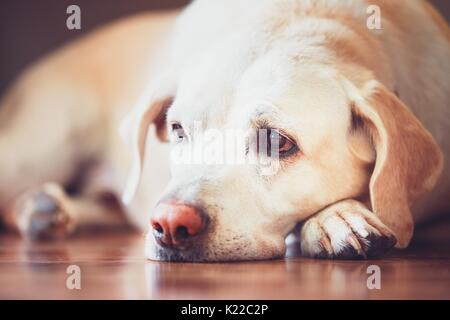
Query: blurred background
(30, 28)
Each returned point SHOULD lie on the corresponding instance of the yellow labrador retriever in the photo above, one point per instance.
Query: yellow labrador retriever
(348, 125)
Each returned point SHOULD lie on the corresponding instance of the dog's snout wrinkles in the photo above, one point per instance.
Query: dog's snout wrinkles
(176, 223)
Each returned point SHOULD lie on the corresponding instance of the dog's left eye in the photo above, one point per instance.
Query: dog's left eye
(178, 133)
(286, 146)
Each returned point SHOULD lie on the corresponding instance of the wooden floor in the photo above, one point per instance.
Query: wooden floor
(113, 267)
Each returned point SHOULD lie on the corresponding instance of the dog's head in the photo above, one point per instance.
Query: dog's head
(268, 129)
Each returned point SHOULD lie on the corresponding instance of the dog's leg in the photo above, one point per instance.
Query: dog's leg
(345, 230)
(47, 212)
(48, 129)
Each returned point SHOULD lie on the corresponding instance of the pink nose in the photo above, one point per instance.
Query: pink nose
(174, 223)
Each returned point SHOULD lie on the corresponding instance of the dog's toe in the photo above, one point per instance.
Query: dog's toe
(44, 214)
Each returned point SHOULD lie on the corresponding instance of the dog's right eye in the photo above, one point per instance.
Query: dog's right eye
(178, 133)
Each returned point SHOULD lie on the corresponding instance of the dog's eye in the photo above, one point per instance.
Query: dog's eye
(286, 146)
(178, 133)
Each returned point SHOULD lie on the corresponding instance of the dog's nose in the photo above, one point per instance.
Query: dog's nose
(176, 223)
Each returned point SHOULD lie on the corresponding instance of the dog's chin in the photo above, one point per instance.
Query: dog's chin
(200, 254)
(173, 255)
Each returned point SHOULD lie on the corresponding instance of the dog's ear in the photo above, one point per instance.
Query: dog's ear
(134, 131)
(408, 160)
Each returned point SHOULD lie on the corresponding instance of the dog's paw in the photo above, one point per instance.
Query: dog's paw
(44, 214)
(346, 230)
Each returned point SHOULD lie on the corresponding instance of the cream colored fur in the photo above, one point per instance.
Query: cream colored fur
(306, 67)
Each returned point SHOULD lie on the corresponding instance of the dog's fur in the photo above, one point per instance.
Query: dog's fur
(369, 110)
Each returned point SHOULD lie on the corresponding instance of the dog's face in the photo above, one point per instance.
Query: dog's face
(325, 138)
(249, 208)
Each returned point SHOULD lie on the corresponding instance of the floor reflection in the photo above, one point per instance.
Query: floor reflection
(113, 267)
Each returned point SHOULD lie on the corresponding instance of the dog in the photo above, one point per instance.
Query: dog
(359, 116)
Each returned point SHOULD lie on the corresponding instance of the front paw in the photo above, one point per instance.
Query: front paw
(346, 230)
(44, 213)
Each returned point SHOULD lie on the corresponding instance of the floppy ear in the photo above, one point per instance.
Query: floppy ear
(408, 160)
(134, 130)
